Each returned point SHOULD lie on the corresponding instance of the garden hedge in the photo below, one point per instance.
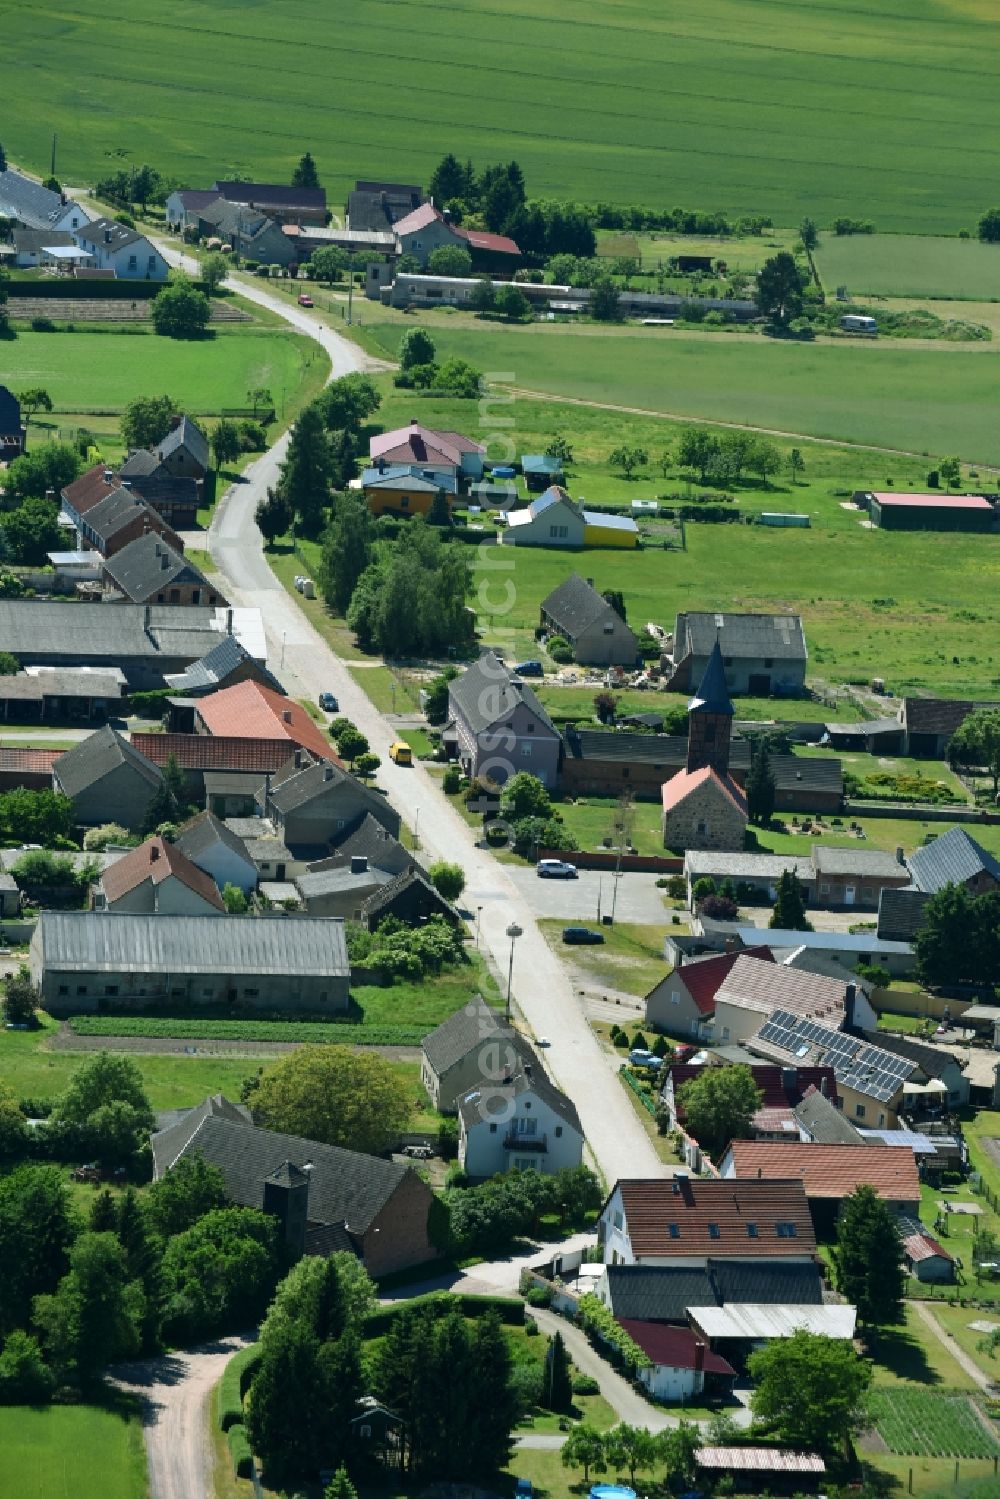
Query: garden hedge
(100, 291)
(234, 1384)
(239, 1451)
(509, 1310)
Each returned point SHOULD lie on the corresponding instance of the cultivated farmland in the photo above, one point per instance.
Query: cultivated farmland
(71, 1449)
(938, 1423)
(745, 105)
(921, 400)
(908, 265)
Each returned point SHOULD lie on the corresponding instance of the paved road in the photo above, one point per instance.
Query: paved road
(541, 989)
(174, 1390)
(577, 900)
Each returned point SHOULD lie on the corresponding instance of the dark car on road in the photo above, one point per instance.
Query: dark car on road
(581, 936)
(528, 669)
(328, 702)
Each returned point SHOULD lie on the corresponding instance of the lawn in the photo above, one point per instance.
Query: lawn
(911, 1357)
(773, 108)
(390, 691)
(630, 959)
(919, 400)
(746, 253)
(909, 265)
(84, 372)
(77, 1450)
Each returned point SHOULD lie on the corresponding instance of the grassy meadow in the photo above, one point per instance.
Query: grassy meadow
(909, 265)
(204, 375)
(71, 1449)
(770, 107)
(920, 400)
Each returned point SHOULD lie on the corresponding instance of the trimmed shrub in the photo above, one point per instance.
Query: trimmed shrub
(509, 1309)
(585, 1384)
(234, 1384)
(239, 1451)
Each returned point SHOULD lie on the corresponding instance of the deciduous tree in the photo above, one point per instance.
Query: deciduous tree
(628, 458)
(185, 1193)
(226, 446)
(34, 399)
(584, 1448)
(21, 998)
(335, 1095)
(524, 795)
(347, 550)
(274, 516)
(719, 1104)
(145, 420)
(180, 310)
(214, 270)
(328, 263)
(976, 742)
(958, 941)
(809, 1390)
(447, 879)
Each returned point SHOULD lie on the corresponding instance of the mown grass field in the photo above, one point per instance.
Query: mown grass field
(103, 371)
(77, 1450)
(905, 265)
(777, 108)
(924, 400)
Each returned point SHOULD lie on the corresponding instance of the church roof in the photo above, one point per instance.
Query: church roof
(681, 785)
(712, 695)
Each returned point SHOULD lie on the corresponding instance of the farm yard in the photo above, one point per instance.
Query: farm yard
(931, 1423)
(771, 108)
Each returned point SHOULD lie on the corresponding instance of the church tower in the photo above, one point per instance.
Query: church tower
(710, 719)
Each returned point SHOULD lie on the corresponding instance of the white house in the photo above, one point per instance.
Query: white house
(684, 1220)
(156, 879)
(553, 520)
(217, 850)
(679, 1360)
(122, 252)
(521, 1123)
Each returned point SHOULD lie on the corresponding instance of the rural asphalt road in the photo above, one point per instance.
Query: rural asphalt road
(305, 663)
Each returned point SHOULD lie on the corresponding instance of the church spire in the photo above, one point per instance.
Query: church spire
(710, 718)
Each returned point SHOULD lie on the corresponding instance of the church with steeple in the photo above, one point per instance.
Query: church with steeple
(703, 807)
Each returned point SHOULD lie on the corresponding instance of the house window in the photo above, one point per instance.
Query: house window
(151, 263)
(81, 988)
(529, 727)
(366, 1431)
(111, 990)
(725, 1033)
(133, 263)
(881, 1121)
(675, 996)
(63, 988)
(526, 751)
(751, 1231)
(626, 772)
(493, 1129)
(525, 1163)
(558, 1131)
(859, 1111)
(251, 993)
(525, 1126)
(674, 1230)
(867, 893)
(702, 827)
(404, 502)
(824, 889)
(713, 1231)
(785, 1230)
(618, 1220)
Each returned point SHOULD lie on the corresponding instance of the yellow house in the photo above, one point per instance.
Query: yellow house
(399, 492)
(609, 530)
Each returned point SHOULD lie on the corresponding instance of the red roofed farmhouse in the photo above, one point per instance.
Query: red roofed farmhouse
(683, 1003)
(703, 807)
(688, 1221)
(427, 229)
(829, 1173)
(250, 711)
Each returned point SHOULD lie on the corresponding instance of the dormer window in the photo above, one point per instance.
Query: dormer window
(713, 1231)
(785, 1230)
(674, 1230)
(751, 1231)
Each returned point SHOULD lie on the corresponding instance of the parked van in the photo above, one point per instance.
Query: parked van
(400, 752)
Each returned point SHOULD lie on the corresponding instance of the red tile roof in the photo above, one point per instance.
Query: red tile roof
(829, 1171)
(924, 1247)
(157, 860)
(692, 1205)
(36, 760)
(498, 244)
(251, 711)
(770, 1079)
(684, 782)
(702, 980)
(674, 1347)
(89, 489)
(210, 752)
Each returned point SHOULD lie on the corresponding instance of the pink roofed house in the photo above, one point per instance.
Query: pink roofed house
(427, 451)
(427, 229)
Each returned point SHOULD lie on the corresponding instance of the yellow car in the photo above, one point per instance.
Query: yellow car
(401, 753)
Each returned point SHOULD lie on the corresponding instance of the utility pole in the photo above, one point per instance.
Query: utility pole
(55, 138)
(350, 285)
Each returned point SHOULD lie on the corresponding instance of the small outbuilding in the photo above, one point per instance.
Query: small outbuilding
(930, 512)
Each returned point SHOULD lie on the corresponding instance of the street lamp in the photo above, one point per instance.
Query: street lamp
(479, 914)
(416, 829)
(513, 932)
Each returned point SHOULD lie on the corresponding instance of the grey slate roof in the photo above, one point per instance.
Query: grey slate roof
(487, 692)
(345, 1187)
(178, 1125)
(30, 241)
(379, 205)
(951, 859)
(187, 434)
(662, 1293)
(866, 863)
(901, 914)
(575, 605)
(658, 1293)
(114, 511)
(294, 786)
(824, 1122)
(529, 1078)
(203, 832)
(121, 234)
(148, 564)
(215, 668)
(333, 881)
(139, 463)
(96, 756)
(375, 843)
(778, 636)
(28, 201)
(250, 946)
(461, 1033)
(381, 900)
(791, 772)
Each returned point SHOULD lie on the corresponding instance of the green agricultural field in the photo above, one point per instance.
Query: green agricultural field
(102, 371)
(780, 108)
(933, 400)
(909, 265)
(939, 1423)
(77, 1450)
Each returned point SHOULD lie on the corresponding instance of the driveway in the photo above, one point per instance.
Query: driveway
(578, 900)
(174, 1390)
(541, 989)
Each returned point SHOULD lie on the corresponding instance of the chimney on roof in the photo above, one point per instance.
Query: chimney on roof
(732, 944)
(850, 1003)
(699, 1356)
(823, 1088)
(900, 856)
(789, 1077)
(359, 863)
(328, 772)
(154, 853)
(414, 422)
(286, 715)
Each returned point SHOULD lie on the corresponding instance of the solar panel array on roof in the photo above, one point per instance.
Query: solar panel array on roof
(856, 1064)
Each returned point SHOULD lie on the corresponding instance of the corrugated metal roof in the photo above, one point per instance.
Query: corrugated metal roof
(758, 1460)
(97, 942)
(746, 1320)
